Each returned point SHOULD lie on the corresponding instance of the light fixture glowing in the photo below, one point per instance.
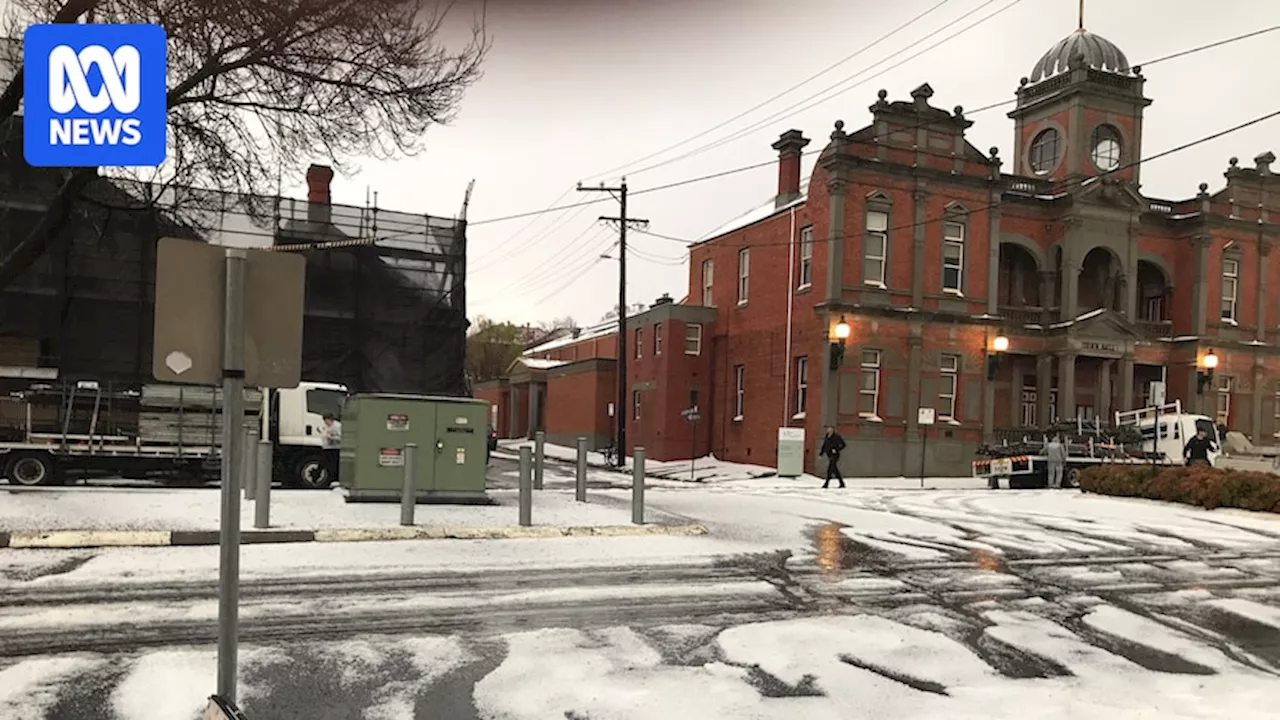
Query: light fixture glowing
(1000, 344)
(842, 329)
(1211, 360)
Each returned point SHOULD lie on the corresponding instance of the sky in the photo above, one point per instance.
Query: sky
(573, 89)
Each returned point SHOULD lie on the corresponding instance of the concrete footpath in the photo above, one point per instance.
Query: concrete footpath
(80, 517)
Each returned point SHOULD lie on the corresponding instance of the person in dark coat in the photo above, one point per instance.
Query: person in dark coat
(1197, 449)
(832, 446)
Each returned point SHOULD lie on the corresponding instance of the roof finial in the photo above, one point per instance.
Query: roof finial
(1081, 28)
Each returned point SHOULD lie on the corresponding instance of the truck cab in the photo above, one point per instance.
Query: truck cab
(1175, 429)
(295, 421)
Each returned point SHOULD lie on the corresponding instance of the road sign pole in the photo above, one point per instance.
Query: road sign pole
(924, 418)
(232, 438)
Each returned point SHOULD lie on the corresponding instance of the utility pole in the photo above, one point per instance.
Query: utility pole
(620, 192)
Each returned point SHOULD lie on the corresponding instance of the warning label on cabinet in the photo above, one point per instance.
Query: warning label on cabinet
(391, 457)
(398, 423)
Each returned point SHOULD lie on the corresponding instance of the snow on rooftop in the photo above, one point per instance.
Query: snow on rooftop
(591, 333)
(540, 363)
(763, 212)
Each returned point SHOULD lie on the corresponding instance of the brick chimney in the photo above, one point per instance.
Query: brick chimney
(789, 147)
(318, 195)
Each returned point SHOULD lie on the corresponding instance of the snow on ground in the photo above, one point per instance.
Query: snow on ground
(30, 687)
(187, 509)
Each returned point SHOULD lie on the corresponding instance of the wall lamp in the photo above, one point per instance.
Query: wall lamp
(1204, 376)
(999, 346)
(841, 334)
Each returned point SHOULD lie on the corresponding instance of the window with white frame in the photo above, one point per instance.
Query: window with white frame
(869, 387)
(708, 283)
(639, 343)
(802, 385)
(953, 257)
(1230, 288)
(806, 257)
(874, 246)
(657, 340)
(949, 386)
(693, 339)
(744, 274)
(739, 391)
(635, 404)
(1223, 411)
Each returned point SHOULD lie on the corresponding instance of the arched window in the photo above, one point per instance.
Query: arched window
(1106, 148)
(1045, 151)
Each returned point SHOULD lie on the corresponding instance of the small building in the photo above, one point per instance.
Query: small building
(924, 250)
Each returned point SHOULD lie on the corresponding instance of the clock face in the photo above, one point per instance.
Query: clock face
(1106, 154)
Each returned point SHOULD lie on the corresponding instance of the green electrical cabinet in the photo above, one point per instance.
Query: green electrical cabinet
(451, 435)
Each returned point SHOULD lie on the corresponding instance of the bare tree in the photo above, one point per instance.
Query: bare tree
(257, 88)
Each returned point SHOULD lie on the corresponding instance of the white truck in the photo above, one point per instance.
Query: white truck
(49, 434)
(1023, 464)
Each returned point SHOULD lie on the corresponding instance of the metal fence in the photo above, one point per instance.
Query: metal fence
(386, 299)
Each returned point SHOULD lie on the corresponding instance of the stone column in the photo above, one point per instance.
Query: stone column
(918, 257)
(1126, 383)
(993, 257)
(1260, 334)
(1046, 295)
(1067, 384)
(513, 413)
(1200, 285)
(989, 404)
(1195, 401)
(535, 397)
(829, 401)
(1104, 390)
(1044, 386)
(836, 241)
(915, 365)
(1255, 404)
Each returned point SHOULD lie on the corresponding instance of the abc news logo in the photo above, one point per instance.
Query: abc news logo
(69, 89)
(95, 95)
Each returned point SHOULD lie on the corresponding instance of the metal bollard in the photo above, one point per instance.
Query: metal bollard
(409, 488)
(580, 492)
(248, 462)
(262, 488)
(526, 487)
(539, 457)
(637, 486)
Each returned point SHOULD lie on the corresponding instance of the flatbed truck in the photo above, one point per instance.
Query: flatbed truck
(50, 434)
(1025, 466)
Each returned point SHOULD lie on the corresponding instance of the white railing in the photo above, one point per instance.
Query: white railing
(1147, 414)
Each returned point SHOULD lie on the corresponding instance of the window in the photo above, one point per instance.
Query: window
(744, 273)
(635, 404)
(639, 343)
(949, 368)
(693, 339)
(802, 385)
(1029, 395)
(1230, 288)
(1106, 148)
(708, 282)
(869, 389)
(1045, 151)
(739, 391)
(806, 257)
(657, 340)
(1223, 414)
(952, 257)
(874, 246)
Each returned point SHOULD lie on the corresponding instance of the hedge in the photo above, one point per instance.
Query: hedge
(1203, 486)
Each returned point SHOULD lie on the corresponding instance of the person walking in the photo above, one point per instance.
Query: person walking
(1197, 449)
(331, 444)
(832, 446)
(1056, 454)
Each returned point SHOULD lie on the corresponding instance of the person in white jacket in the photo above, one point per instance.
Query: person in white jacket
(1056, 453)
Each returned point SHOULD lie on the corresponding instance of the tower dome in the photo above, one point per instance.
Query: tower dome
(1098, 52)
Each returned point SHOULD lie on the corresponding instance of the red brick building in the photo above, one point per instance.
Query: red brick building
(927, 249)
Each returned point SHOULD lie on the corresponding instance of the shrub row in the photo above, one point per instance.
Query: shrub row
(1204, 486)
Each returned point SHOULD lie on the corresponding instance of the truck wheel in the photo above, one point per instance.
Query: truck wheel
(312, 473)
(1071, 478)
(31, 469)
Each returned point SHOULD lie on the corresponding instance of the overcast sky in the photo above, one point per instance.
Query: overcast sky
(574, 88)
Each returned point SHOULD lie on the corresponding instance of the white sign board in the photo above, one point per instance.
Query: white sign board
(925, 416)
(1157, 392)
(790, 452)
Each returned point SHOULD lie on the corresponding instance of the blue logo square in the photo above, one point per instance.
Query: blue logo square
(94, 95)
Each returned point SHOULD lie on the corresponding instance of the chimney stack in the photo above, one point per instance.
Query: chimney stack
(789, 146)
(318, 196)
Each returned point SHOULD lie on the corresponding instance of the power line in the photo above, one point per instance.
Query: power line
(839, 87)
(782, 94)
